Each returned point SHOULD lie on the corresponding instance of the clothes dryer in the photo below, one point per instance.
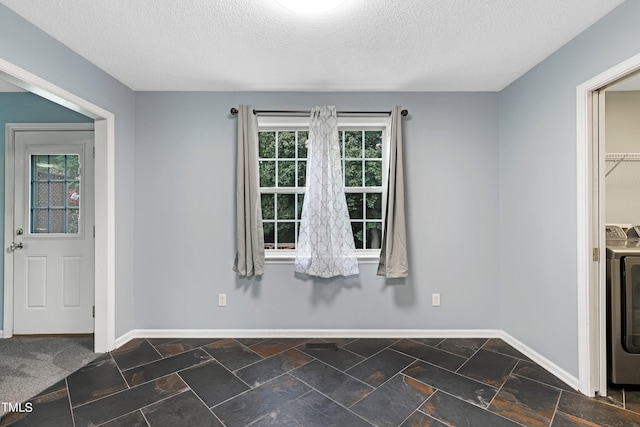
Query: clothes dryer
(623, 309)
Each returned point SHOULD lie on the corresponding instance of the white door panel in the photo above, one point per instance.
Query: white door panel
(53, 232)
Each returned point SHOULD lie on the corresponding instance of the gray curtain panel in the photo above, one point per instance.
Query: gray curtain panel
(393, 254)
(249, 235)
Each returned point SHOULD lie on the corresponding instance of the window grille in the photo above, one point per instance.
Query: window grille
(55, 194)
(282, 157)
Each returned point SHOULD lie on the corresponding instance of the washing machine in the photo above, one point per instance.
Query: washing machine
(623, 306)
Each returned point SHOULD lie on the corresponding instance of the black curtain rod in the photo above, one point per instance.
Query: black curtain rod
(234, 111)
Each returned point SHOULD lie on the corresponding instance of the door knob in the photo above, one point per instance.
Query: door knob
(15, 246)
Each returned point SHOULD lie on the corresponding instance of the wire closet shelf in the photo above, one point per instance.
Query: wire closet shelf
(613, 160)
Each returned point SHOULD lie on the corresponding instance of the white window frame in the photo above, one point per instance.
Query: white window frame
(346, 123)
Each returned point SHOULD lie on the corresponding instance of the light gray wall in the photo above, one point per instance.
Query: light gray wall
(538, 186)
(184, 223)
(26, 46)
(622, 135)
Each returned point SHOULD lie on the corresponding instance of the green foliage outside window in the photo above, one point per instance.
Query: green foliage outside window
(282, 159)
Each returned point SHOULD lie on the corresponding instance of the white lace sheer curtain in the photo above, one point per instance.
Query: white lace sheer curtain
(325, 241)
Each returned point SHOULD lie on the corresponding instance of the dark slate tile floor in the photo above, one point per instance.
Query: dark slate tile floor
(280, 382)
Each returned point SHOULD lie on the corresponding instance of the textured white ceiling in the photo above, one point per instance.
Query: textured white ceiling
(364, 45)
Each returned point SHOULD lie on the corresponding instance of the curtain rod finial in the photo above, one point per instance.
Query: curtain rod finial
(234, 111)
(404, 113)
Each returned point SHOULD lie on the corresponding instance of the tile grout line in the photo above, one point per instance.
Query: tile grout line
(233, 372)
(144, 417)
(503, 383)
(419, 342)
(555, 410)
(374, 354)
(141, 364)
(242, 367)
(181, 352)
(259, 355)
(73, 416)
(455, 373)
(210, 357)
(432, 363)
(103, 397)
(121, 375)
(347, 374)
(305, 340)
(462, 356)
(364, 359)
(278, 408)
(481, 408)
(197, 397)
(250, 389)
(348, 409)
(130, 388)
(122, 416)
(150, 404)
(399, 372)
(156, 350)
(435, 390)
(342, 372)
(276, 355)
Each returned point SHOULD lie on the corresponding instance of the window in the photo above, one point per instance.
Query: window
(55, 194)
(282, 157)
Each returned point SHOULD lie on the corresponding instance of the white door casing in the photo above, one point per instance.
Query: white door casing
(105, 203)
(590, 214)
(53, 220)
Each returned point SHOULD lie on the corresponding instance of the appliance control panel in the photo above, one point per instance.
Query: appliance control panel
(614, 232)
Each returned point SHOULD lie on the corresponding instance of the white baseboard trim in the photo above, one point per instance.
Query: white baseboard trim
(308, 333)
(554, 369)
(123, 339)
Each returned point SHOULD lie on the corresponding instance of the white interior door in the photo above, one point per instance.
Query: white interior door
(53, 241)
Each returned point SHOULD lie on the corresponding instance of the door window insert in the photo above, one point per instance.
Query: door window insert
(55, 194)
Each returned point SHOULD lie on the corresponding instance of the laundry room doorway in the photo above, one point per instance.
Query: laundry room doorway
(591, 221)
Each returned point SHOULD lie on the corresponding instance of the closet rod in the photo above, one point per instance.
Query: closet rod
(234, 111)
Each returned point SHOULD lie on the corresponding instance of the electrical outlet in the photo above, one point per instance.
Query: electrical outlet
(222, 300)
(435, 300)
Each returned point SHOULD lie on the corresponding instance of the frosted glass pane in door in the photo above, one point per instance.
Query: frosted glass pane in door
(54, 202)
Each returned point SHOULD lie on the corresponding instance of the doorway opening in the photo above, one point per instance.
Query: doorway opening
(104, 132)
(591, 240)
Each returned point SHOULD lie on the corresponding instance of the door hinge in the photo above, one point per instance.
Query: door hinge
(94, 231)
(93, 311)
(94, 152)
(596, 254)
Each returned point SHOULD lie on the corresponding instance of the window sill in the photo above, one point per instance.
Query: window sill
(365, 256)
